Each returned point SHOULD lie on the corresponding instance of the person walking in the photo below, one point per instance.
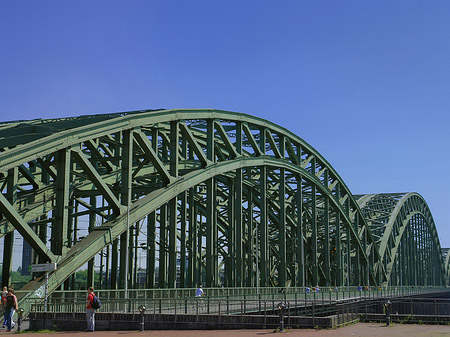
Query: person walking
(4, 294)
(199, 291)
(11, 306)
(199, 294)
(90, 311)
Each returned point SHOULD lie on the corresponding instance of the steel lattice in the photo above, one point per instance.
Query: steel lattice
(242, 201)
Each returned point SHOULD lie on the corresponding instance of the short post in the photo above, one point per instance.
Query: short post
(281, 308)
(20, 312)
(142, 309)
(386, 311)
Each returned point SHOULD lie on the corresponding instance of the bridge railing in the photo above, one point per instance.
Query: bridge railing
(183, 299)
(251, 313)
(247, 293)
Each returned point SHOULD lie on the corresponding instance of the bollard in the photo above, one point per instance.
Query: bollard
(20, 312)
(142, 309)
(386, 311)
(281, 308)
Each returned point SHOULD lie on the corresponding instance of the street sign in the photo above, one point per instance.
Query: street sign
(35, 268)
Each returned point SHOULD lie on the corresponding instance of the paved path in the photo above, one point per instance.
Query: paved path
(360, 329)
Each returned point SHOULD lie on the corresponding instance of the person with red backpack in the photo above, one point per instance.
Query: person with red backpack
(11, 306)
(90, 310)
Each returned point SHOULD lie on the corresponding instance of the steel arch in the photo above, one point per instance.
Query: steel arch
(232, 192)
(446, 258)
(406, 235)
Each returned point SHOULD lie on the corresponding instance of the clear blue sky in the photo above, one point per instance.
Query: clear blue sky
(367, 83)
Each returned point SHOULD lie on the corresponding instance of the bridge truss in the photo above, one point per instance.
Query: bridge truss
(220, 198)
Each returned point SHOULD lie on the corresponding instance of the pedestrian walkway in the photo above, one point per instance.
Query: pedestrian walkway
(356, 330)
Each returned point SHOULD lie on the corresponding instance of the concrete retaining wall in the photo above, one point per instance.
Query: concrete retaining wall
(126, 321)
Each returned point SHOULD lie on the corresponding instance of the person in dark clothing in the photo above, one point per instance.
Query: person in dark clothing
(10, 307)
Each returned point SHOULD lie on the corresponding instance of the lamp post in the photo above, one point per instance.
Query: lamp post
(20, 312)
(142, 309)
(281, 308)
(387, 313)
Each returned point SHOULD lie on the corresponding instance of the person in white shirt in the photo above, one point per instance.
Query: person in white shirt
(199, 291)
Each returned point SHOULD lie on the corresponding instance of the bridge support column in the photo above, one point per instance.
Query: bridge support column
(301, 282)
(326, 250)
(183, 219)
(238, 228)
(314, 259)
(162, 275)
(251, 261)
(282, 267)
(339, 264)
(90, 270)
(263, 247)
(11, 196)
(192, 248)
(61, 217)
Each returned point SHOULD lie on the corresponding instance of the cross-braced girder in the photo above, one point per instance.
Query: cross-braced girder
(217, 197)
(407, 238)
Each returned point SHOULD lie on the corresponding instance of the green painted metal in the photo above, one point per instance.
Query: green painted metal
(219, 198)
(406, 232)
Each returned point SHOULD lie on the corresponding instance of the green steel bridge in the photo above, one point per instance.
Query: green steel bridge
(202, 196)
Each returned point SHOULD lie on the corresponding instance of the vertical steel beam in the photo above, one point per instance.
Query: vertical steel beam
(90, 270)
(61, 220)
(413, 254)
(107, 268)
(263, 232)
(184, 255)
(192, 247)
(114, 263)
(70, 230)
(172, 243)
(239, 228)
(339, 264)
(11, 196)
(230, 265)
(125, 199)
(238, 212)
(183, 220)
(402, 261)
(173, 203)
(211, 277)
(162, 279)
(356, 266)
(300, 234)
(348, 257)
(199, 271)
(123, 254)
(408, 255)
(349, 245)
(326, 250)
(210, 258)
(216, 252)
(282, 267)
(250, 240)
(74, 238)
(151, 249)
(132, 255)
(263, 247)
(314, 262)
